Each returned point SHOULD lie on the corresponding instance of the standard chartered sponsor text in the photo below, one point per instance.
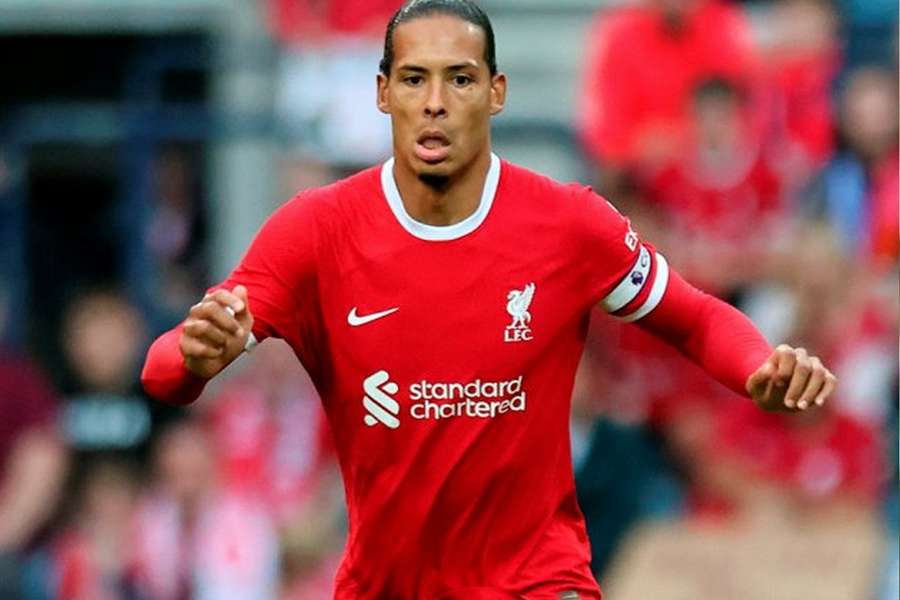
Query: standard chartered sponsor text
(478, 398)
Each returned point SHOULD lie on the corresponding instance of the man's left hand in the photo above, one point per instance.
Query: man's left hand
(790, 381)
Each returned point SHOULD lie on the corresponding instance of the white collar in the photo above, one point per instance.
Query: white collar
(440, 232)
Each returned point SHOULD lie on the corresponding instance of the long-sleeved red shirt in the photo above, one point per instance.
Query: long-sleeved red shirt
(445, 359)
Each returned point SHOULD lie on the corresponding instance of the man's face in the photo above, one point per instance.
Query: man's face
(869, 113)
(440, 95)
(716, 120)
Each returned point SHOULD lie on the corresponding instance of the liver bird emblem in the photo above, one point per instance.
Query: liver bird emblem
(517, 305)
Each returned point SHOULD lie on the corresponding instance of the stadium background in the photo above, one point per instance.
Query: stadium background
(142, 142)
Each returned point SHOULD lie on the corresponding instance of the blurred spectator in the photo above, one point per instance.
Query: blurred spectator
(681, 405)
(330, 55)
(720, 197)
(856, 193)
(312, 544)
(192, 538)
(103, 338)
(890, 577)
(91, 556)
(836, 455)
(643, 63)
(272, 443)
(817, 459)
(33, 464)
(803, 56)
(621, 471)
(270, 432)
(175, 234)
(856, 330)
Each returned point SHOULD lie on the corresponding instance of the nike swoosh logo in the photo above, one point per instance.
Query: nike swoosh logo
(355, 320)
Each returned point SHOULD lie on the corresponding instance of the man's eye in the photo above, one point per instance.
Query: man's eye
(413, 79)
(462, 80)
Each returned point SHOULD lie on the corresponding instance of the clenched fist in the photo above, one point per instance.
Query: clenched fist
(790, 380)
(216, 331)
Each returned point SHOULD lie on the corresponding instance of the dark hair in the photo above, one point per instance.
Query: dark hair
(464, 9)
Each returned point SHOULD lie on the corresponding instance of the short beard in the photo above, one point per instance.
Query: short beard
(435, 182)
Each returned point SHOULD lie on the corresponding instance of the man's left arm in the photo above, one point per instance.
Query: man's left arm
(727, 345)
(634, 283)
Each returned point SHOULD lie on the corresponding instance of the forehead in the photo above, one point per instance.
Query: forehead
(437, 40)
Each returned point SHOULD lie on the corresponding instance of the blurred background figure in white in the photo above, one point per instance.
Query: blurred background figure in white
(195, 539)
(325, 100)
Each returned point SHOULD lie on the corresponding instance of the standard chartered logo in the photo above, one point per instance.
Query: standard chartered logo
(441, 400)
(378, 401)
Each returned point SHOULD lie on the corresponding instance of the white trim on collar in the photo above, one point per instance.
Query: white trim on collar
(440, 232)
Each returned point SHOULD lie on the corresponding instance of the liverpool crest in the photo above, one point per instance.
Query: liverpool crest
(517, 303)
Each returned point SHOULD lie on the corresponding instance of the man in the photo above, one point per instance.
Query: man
(440, 304)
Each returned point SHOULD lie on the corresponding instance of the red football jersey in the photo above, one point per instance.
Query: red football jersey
(445, 359)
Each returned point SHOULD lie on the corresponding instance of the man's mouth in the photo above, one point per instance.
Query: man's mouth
(432, 146)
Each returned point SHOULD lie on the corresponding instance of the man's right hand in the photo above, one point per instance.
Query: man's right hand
(216, 331)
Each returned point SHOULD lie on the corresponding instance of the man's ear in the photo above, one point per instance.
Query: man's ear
(498, 93)
(382, 94)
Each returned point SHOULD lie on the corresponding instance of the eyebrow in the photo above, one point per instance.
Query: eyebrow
(456, 67)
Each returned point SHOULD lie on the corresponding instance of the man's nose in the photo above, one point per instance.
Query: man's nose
(434, 103)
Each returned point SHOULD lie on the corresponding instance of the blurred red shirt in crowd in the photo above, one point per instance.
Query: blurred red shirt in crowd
(643, 63)
(823, 456)
(306, 21)
(274, 445)
(725, 205)
(194, 538)
(803, 83)
(91, 556)
(720, 194)
(803, 61)
(722, 179)
(269, 432)
(884, 238)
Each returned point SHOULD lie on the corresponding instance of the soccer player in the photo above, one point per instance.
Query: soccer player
(440, 303)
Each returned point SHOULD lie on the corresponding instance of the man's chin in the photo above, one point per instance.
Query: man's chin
(441, 168)
(437, 181)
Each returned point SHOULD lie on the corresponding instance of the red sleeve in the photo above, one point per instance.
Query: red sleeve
(279, 274)
(633, 282)
(715, 335)
(626, 276)
(165, 377)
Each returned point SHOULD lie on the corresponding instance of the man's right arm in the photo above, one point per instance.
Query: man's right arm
(277, 275)
(214, 334)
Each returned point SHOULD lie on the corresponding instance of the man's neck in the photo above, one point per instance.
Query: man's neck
(443, 202)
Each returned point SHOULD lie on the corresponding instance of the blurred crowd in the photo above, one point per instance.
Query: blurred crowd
(758, 150)
(754, 144)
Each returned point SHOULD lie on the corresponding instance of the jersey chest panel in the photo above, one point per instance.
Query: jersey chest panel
(417, 322)
(443, 311)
